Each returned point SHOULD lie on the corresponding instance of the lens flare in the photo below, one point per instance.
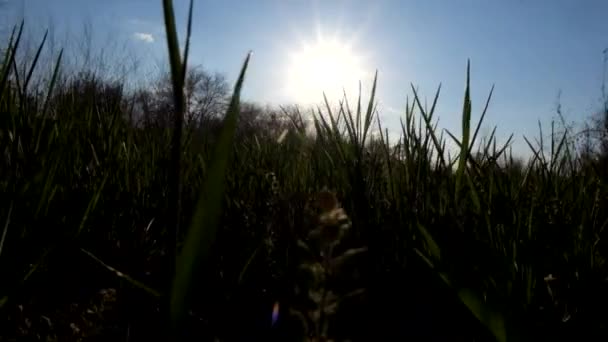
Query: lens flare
(275, 313)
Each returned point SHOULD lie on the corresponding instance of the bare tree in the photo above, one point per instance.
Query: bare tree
(206, 94)
(206, 97)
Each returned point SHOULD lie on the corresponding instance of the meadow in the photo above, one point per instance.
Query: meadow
(123, 220)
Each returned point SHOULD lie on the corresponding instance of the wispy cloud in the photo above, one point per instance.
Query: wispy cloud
(145, 37)
(390, 109)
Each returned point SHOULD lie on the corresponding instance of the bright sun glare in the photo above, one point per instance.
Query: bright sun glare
(327, 65)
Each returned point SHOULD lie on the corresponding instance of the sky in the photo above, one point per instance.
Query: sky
(532, 51)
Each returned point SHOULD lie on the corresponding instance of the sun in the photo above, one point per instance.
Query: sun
(325, 66)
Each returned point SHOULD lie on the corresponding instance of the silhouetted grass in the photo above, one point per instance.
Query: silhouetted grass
(347, 235)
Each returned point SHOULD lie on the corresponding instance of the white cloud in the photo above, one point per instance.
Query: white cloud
(145, 37)
(390, 109)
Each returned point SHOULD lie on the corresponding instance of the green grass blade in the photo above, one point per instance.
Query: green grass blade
(358, 122)
(427, 121)
(177, 77)
(187, 47)
(47, 99)
(203, 228)
(493, 320)
(466, 123)
(17, 81)
(349, 120)
(248, 263)
(370, 110)
(92, 205)
(122, 275)
(6, 224)
(173, 46)
(9, 60)
(483, 115)
(34, 63)
(332, 117)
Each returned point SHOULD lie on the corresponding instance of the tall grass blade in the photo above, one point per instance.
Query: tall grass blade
(34, 62)
(5, 230)
(370, 109)
(177, 77)
(47, 99)
(203, 228)
(483, 115)
(427, 117)
(92, 205)
(9, 60)
(122, 275)
(466, 124)
(187, 46)
(53, 81)
(491, 319)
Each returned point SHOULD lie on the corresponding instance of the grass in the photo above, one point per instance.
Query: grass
(477, 247)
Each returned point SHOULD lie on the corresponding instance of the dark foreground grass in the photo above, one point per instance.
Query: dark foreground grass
(345, 236)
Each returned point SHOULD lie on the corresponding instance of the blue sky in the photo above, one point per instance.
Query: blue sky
(529, 49)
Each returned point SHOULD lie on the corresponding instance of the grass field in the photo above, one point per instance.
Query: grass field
(117, 229)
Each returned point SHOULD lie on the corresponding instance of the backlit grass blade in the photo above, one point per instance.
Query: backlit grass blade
(490, 318)
(466, 123)
(187, 46)
(6, 224)
(427, 121)
(177, 78)
(248, 263)
(54, 77)
(9, 59)
(203, 228)
(174, 57)
(122, 275)
(17, 81)
(92, 205)
(483, 115)
(34, 63)
(358, 122)
(350, 123)
(370, 109)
